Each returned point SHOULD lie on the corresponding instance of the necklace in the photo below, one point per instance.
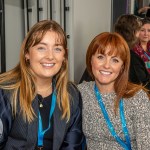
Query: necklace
(40, 101)
(40, 98)
(41, 131)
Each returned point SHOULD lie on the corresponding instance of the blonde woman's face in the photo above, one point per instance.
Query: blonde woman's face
(46, 58)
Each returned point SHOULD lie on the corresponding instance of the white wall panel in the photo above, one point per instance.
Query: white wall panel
(88, 18)
(14, 31)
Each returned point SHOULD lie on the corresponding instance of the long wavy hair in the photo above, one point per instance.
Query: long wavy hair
(21, 81)
(118, 47)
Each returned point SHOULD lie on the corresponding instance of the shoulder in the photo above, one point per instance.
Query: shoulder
(134, 56)
(136, 61)
(5, 104)
(4, 98)
(85, 86)
(74, 95)
(141, 96)
(136, 47)
(5, 115)
(140, 100)
(87, 92)
(72, 89)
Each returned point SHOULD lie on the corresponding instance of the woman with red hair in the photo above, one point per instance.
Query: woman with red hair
(115, 111)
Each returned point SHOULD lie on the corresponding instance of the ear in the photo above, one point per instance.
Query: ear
(27, 56)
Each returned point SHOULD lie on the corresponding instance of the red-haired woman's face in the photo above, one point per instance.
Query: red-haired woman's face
(106, 69)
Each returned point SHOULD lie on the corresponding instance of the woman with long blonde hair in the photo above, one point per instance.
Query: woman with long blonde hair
(39, 107)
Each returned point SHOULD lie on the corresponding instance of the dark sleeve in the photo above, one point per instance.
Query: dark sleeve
(85, 77)
(136, 8)
(138, 73)
(137, 5)
(74, 138)
(5, 118)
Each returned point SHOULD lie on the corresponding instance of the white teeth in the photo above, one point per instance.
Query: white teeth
(48, 65)
(105, 72)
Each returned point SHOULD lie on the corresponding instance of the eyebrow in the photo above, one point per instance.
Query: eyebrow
(59, 44)
(56, 44)
(43, 43)
(115, 57)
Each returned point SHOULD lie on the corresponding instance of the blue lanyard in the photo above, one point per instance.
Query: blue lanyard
(147, 55)
(41, 132)
(126, 145)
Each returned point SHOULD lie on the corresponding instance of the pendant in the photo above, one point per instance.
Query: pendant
(41, 105)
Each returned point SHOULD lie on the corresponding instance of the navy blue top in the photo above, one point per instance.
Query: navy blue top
(44, 111)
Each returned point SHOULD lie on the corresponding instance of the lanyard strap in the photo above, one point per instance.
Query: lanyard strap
(126, 145)
(124, 125)
(147, 55)
(41, 132)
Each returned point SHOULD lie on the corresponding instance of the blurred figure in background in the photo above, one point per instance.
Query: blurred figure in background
(142, 48)
(140, 10)
(128, 26)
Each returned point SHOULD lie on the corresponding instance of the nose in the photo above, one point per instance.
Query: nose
(107, 63)
(50, 54)
(145, 32)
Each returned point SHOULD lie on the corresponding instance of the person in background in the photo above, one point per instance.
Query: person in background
(140, 10)
(142, 48)
(128, 26)
(39, 108)
(115, 111)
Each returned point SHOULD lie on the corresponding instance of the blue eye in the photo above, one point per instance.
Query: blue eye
(58, 49)
(115, 60)
(41, 48)
(100, 57)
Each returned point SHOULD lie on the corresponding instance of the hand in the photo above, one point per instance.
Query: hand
(143, 9)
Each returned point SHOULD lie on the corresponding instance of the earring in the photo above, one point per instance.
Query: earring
(27, 60)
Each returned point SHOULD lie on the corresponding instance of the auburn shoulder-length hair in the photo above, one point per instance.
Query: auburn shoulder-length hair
(21, 79)
(118, 47)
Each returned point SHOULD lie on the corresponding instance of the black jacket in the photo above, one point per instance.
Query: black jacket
(138, 73)
(18, 134)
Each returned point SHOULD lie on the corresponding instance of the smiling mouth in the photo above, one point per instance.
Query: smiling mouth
(48, 65)
(105, 72)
